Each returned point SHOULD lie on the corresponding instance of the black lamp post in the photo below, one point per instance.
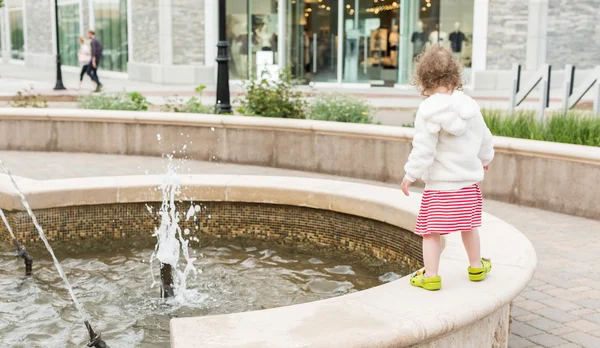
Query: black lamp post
(223, 97)
(59, 83)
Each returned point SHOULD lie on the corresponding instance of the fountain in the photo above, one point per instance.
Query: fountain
(95, 338)
(21, 250)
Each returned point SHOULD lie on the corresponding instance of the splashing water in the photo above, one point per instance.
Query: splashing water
(170, 241)
(43, 237)
(7, 225)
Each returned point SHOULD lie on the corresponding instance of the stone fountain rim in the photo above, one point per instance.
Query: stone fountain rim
(379, 316)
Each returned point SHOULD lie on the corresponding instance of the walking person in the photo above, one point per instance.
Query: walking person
(452, 148)
(96, 48)
(85, 57)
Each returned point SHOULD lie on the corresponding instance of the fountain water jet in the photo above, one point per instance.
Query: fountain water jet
(95, 341)
(21, 250)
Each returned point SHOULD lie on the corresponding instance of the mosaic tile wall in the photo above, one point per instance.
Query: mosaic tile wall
(287, 225)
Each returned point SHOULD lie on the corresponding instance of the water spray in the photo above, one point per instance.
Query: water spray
(95, 339)
(21, 250)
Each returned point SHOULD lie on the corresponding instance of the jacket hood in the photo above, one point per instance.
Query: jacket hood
(448, 112)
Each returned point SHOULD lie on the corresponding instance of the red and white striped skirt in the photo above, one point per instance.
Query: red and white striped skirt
(445, 212)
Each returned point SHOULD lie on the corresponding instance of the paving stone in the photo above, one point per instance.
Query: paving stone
(567, 295)
(544, 324)
(545, 287)
(584, 325)
(584, 339)
(530, 305)
(546, 340)
(582, 311)
(580, 288)
(593, 317)
(524, 330)
(595, 333)
(518, 311)
(561, 331)
(519, 342)
(589, 303)
(534, 295)
(560, 304)
(568, 345)
(528, 317)
(556, 314)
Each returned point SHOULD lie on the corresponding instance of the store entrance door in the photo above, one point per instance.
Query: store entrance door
(313, 32)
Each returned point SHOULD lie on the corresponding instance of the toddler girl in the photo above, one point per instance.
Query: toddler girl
(451, 148)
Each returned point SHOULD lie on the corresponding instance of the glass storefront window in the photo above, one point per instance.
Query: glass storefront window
(371, 41)
(313, 37)
(427, 22)
(377, 45)
(17, 35)
(252, 36)
(110, 18)
(69, 31)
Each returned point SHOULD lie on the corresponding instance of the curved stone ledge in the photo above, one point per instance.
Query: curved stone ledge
(524, 172)
(390, 315)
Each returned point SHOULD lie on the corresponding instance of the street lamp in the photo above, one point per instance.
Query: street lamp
(223, 97)
(59, 83)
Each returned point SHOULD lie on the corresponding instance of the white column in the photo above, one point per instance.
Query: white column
(281, 34)
(340, 42)
(25, 28)
(537, 34)
(92, 19)
(129, 32)
(210, 32)
(165, 32)
(480, 34)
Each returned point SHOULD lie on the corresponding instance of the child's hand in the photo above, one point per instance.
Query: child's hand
(405, 185)
(486, 167)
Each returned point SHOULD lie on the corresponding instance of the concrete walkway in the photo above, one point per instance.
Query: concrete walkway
(560, 308)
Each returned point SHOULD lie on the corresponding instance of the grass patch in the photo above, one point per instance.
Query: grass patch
(576, 127)
(132, 101)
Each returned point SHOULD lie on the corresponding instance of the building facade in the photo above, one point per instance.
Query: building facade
(322, 42)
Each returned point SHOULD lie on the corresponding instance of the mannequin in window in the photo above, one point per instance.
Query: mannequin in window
(439, 37)
(457, 38)
(393, 41)
(261, 37)
(418, 39)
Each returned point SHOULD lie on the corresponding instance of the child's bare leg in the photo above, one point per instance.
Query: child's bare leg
(432, 248)
(471, 241)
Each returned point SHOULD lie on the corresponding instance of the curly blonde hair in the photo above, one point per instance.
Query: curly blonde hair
(437, 67)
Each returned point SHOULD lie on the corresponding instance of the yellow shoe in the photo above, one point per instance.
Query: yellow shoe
(432, 284)
(479, 274)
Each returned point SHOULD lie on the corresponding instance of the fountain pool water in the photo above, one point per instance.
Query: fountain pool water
(115, 288)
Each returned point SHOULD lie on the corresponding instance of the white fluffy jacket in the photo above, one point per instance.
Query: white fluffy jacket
(451, 145)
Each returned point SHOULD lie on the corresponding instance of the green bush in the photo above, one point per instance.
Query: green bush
(341, 108)
(28, 99)
(193, 105)
(132, 101)
(264, 97)
(573, 128)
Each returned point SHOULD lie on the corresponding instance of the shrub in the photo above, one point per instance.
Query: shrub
(341, 108)
(27, 99)
(193, 105)
(575, 127)
(264, 97)
(132, 101)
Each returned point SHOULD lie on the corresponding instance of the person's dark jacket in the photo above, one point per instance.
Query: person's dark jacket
(96, 49)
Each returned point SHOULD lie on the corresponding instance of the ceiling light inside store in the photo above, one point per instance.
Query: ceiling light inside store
(352, 12)
(306, 14)
(428, 4)
(328, 8)
(347, 6)
(424, 9)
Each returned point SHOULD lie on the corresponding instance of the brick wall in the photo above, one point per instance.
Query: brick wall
(507, 33)
(188, 31)
(573, 33)
(145, 31)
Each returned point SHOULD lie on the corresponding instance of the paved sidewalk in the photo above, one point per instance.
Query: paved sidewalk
(560, 308)
(14, 78)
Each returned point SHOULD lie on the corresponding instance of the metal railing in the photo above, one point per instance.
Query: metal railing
(518, 94)
(572, 97)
